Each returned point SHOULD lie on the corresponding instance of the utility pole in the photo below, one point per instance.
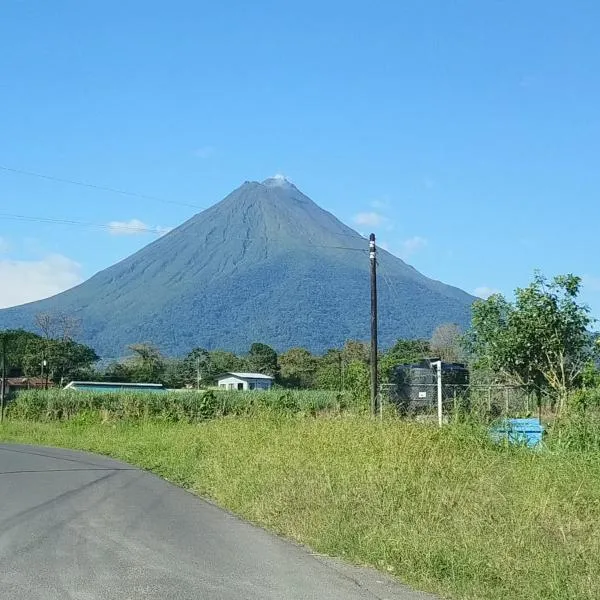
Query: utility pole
(3, 384)
(375, 403)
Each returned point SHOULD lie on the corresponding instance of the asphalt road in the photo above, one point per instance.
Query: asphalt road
(83, 527)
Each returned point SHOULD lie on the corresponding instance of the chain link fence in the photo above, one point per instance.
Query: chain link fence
(485, 402)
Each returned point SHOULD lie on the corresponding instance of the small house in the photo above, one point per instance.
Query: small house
(244, 381)
(114, 386)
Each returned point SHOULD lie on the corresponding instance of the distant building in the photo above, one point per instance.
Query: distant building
(17, 384)
(114, 386)
(244, 381)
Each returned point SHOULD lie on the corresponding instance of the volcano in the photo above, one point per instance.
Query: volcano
(265, 264)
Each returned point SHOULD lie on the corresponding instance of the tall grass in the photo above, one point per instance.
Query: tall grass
(188, 406)
(444, 509)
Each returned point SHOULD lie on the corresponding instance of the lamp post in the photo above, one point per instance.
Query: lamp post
(44, 365)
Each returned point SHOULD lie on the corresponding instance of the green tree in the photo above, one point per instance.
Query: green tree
(221, 361)
(358, 380)
(19, 345)
(197, 367)
(175, 374)
(147, 365)
(262, 359)
(402, 352)
(356, 351)
(541, 340)
(297, 368)
(329, 371)
(67, 359)
(118, 371)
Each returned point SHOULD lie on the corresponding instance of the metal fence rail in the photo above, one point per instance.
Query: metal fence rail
(420, 401)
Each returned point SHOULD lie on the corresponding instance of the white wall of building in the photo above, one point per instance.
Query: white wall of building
(234, 383)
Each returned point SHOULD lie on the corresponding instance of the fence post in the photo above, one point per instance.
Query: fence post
(489, 399)
(440, 405)
(506, 397)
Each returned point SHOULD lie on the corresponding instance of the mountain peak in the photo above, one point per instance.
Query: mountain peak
(278, 180)
(266, 263)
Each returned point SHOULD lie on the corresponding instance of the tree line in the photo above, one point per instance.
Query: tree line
(58, 357)
(542, 340)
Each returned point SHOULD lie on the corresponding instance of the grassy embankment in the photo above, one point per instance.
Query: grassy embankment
(442, 509)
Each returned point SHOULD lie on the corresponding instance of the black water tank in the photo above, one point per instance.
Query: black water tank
(415, 385)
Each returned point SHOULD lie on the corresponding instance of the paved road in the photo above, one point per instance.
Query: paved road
(83, 527)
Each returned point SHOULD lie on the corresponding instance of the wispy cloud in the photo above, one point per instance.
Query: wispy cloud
(4, 246)
(204, 152)
(372, 219)
(485, 291)
(411, 246)
(135, 227)
(29, 280)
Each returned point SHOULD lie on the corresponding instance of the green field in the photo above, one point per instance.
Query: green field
(442, 509)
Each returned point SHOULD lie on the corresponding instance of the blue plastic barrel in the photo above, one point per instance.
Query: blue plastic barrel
(526, 432)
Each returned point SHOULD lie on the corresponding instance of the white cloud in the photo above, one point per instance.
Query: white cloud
(4, 246)
(28, 280)
(412, 246)
(135, 227)
(372, 219)
(485, 291)
(205, 152)
(591, 283)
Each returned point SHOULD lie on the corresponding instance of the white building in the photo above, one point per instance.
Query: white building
(244, 381)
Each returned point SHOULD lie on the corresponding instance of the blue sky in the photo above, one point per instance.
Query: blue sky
(465, 133)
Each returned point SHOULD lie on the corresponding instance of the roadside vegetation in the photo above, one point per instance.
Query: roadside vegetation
(445, 509)
(181, 406)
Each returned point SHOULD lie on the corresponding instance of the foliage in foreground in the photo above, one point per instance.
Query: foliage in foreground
(542, 340)
(443, 509)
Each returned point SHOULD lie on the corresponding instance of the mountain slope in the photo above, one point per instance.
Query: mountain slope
(264, 264)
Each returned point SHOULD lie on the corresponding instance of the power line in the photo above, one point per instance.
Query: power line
(115, 227)
(119, 228)
(103, 188)
(109, 189)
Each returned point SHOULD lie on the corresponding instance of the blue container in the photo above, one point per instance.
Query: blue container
(527, 432)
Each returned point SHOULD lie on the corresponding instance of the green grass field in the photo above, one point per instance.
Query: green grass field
(442, 509)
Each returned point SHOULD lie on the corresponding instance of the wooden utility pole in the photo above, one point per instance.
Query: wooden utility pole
(375, 401)
(3, 384)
